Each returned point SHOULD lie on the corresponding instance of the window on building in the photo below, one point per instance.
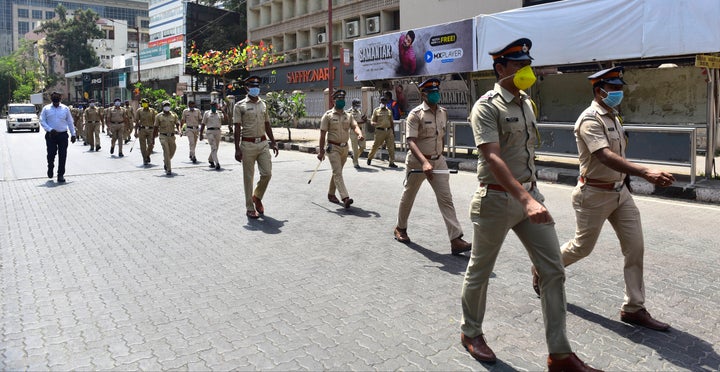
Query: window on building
(37, 14)
(23, 13)
(111, 35)
(145, 24)
(23, 28)
(49, 15)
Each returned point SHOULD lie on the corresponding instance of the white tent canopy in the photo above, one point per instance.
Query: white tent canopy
(581, 31)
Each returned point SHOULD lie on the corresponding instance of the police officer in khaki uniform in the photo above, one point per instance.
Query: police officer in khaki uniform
(426, 126)
(93, 118)
(190, 121)
(145, 130)
(358, 146)
(130, 113)
(334, 127)
(117, 120)
(382, 121)
(165, 124)
(212, 124)
(76, 112)
(503, 124)
(601, 194)
(252, 131)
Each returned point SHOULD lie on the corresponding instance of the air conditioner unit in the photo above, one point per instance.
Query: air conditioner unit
(352, 29)
(372, 25)
(322, 38)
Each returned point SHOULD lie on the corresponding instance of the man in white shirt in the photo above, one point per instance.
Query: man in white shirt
(56, 119)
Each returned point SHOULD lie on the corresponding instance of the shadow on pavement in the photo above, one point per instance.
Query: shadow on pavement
(52, 183)
(455, 265)
(266, 224)
(677, 347)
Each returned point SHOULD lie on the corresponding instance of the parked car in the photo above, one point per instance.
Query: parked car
(22, 116)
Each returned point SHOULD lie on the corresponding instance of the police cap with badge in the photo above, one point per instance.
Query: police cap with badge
(339, 94)
(518, 50)
(613, 75)
(253, 81)
(430, 85)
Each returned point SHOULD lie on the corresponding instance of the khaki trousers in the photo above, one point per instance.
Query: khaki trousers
(337, 156)
(493, 214)
(92, 134)
(357, 146)
(213, 138)
(79, 125)
(145, 136)
(117, 131)
(192, 136)
(388, 138)
(592, 207)
(440, 184)
(168, 146)
(252, 153)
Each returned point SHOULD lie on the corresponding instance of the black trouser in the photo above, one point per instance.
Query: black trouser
(56, 144)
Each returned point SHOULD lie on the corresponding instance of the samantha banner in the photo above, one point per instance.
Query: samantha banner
(434, 50)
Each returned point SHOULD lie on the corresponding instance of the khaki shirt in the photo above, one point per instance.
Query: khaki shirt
(92, 115)
(427, 128)
(500, 117)
(251, 117)
(191, 118)
(595, 129)
(115, 115)
(145, 117)
(166, 122)
(129, 113)
(337, 125)
(76, 114)
(383, 117)
(212, 120)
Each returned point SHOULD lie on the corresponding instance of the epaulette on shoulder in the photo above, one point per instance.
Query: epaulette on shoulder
(489, 95)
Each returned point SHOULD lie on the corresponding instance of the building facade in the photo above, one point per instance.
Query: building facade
(19, 17)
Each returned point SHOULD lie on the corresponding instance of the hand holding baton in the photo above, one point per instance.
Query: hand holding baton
(315, 172)
(436, 171)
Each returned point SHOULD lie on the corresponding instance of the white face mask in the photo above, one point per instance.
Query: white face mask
(166, 108)
(117, 104)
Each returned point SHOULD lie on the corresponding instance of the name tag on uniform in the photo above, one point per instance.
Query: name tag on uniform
(250, 109)
(335, 119)
(428, 122)
(511, 120)
(611, 129)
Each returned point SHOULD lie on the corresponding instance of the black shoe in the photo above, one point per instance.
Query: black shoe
(97, 148)
(369, 161)
(112, 149)
(194, 160)
(393, 165)
(121, 155)
(61, 179)
(126, 141)
(84, 143)
(212, 164)
(50, 173)
(217, 166)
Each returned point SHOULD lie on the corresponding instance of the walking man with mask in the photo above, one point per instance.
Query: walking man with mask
(145, 129)
(358, 146)
(93, 120)
(252, 132)
(191, 118)
(503, 123)
(165, 124)
(212, 123)
(382, 121)
(117, 120)
(602, 195)
(56, 119)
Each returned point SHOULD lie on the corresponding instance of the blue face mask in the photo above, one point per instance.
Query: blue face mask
(433, 98)
(339, 104)
(613, 98)
(254, 92)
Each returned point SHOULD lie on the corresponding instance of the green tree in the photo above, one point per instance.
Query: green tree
(69, 37)
(21, 73)
(286, 109)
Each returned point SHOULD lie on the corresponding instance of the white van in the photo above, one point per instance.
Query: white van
(22, 116)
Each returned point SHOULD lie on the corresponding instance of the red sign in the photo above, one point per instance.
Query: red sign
(166, 40)
(305, 76)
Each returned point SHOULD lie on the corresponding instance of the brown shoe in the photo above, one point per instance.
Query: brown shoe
(347, 201)
(258, 205)
(252, 214)
(458, 246)
(333, 199)
(478, 349)
(401, 235)
(644, 319)
(570, 363)
(536, 280)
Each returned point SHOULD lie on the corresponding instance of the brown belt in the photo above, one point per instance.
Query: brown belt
(600, 184)
(254, 139)
(117, 122)
(337, 143)
(142, 127)
(167, 134)
(497, 187)
(212, 128)
(431, 157)
(383, 128)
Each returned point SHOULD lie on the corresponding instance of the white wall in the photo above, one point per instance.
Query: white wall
(421, 13)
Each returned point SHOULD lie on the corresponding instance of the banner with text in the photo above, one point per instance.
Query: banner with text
(434, 50)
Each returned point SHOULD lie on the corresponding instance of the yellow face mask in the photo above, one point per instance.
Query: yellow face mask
(524, 78)
(145, 105)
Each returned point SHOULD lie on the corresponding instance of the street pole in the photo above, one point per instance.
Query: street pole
(138, 50)
(330, 53)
